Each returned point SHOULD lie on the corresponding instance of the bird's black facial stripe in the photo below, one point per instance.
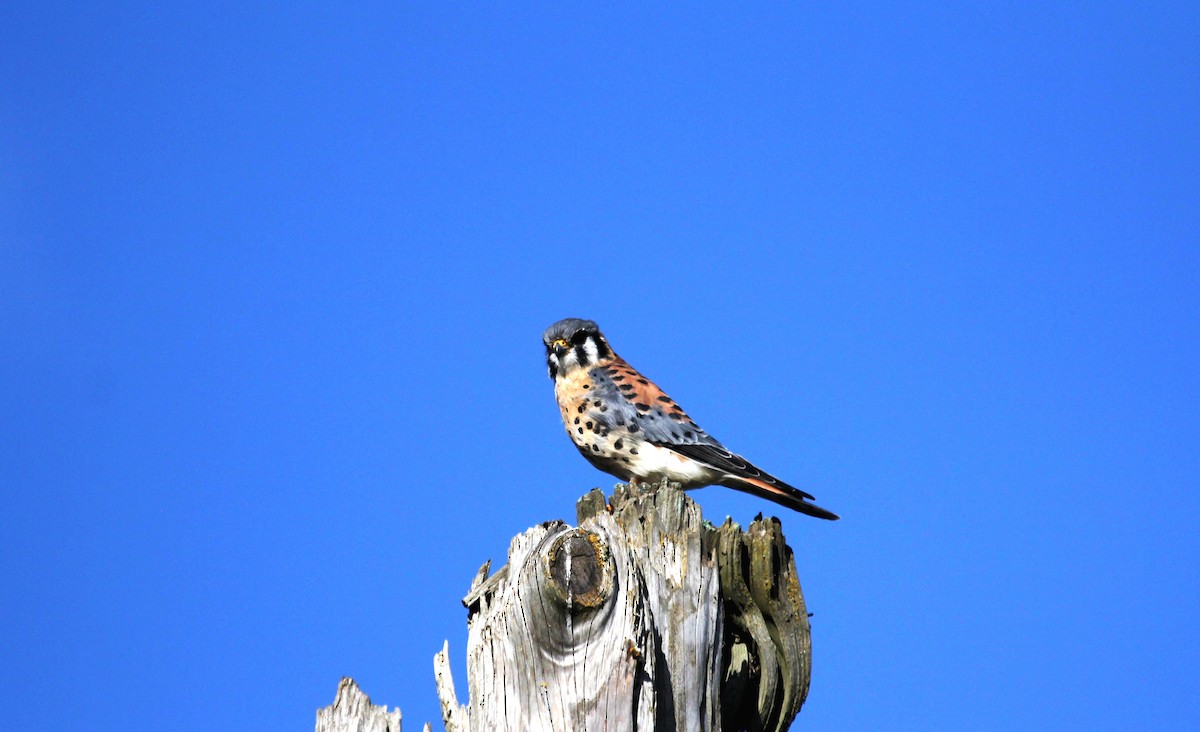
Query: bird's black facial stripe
(572, 349)
(590, 349)
(602, 349)
(579, 340)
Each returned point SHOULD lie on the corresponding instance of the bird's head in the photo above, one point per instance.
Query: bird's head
(571, 344)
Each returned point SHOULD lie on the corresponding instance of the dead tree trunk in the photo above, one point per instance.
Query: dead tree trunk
(642, 618)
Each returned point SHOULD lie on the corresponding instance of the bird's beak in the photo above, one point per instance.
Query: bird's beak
(560, 347)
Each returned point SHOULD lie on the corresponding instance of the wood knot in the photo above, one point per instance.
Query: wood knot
(579, 570)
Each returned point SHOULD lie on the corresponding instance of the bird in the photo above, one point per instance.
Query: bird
(625, 425)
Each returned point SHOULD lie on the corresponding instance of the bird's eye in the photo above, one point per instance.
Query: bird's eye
(579, 338)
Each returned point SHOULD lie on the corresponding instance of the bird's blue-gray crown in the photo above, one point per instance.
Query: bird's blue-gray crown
(566, 328)
(573, 343)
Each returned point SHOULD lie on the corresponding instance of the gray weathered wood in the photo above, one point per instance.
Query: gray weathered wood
(352, 711)
(643, 617)
(766, 632)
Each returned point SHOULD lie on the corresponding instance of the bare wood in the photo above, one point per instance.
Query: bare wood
(767, 623)
(643, 617)
(352, 711)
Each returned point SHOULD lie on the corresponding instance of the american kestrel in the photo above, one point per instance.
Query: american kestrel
(626, 426)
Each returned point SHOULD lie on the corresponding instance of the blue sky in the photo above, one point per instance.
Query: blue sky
(272, 282)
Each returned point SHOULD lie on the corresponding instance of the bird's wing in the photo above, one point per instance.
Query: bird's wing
(741, 475)
(634, 403)
(735, 465)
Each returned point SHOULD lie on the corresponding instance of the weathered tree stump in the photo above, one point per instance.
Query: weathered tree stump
(642, 618)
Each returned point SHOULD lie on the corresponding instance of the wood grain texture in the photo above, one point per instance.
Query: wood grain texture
(642, 618)
(352, 711)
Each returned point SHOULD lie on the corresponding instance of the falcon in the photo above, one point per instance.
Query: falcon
(628, 427)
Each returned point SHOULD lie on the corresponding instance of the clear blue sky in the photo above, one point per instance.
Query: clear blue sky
(272, 281)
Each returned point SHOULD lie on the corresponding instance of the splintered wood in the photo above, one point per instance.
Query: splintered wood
(352, 711)
(642, 618)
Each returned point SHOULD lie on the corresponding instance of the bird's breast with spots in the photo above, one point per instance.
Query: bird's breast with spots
(581, 407)
(622, 430)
